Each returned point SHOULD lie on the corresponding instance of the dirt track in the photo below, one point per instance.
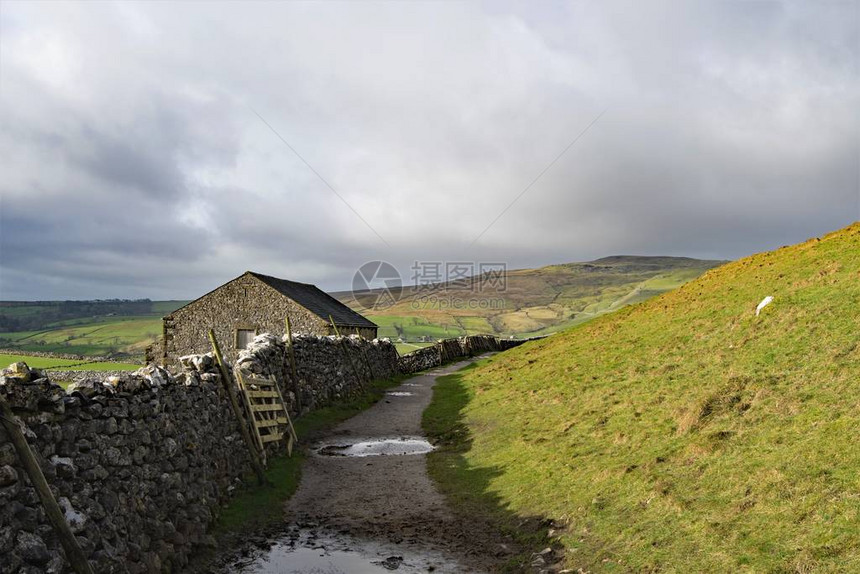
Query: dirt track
(389, 498)
(374, 513)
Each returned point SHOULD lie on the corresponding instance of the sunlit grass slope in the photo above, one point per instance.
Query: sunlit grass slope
(685, 434)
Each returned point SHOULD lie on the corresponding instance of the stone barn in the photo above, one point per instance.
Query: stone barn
(252, 304)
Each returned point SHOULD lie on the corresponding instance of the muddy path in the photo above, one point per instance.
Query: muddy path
(376, 512)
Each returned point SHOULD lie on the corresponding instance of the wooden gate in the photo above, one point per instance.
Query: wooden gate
(268, 414)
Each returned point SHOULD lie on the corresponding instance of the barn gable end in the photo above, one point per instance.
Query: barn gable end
(253, 304)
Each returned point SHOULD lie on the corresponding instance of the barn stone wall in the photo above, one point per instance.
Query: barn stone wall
(244, 303)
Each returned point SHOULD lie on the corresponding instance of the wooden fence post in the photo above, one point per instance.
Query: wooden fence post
(74, 554)
(295, 437)
(369, 366)
(230, 387)
(346, 352)
(297, 389)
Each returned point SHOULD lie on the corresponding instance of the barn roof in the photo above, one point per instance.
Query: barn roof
(316, 301)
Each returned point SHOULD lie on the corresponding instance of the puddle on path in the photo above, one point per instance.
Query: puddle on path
(375, 447)
(399, 393)
(305, 553)
(410, 385)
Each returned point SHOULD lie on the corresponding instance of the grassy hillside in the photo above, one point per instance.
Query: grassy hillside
(533, 301)
(683, 434)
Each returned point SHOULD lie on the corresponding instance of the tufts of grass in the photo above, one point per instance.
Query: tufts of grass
(467, 487)
(257, 507)
(685, 433)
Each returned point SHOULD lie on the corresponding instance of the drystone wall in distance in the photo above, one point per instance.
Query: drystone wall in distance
(448, 350)
(82, 359)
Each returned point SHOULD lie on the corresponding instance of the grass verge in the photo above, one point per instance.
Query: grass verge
(686, 433)
(466, 487)
(259, 507)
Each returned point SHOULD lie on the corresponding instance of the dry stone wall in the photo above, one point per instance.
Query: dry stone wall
(329, 369)
(58, 375)
(140, 466)
(142, 463)
(449, 350)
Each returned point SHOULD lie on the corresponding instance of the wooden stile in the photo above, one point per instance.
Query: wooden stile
(263, 394)
(292, 437)
(294, 371)
(270, 418)
(256, 463)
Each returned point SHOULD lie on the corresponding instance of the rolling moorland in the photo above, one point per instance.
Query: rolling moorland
(683, 434)
(533, 301)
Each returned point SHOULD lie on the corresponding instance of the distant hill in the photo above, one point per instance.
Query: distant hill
(685, 434)
(534, 301)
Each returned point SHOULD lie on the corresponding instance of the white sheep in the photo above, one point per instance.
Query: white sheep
(764, 303)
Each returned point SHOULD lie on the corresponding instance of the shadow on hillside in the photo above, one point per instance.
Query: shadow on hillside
(511, 538)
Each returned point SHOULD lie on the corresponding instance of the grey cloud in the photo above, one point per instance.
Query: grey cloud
(134, 164)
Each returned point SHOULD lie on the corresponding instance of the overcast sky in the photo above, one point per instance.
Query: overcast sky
(138, 153)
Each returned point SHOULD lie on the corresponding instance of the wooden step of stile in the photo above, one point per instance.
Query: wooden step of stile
(269, 417)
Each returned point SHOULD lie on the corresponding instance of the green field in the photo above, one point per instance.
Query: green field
(413, 327)
(682, 434)
(404, 348)
(102, 336)
(115, 328)
(48, 363)
(412, 330)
